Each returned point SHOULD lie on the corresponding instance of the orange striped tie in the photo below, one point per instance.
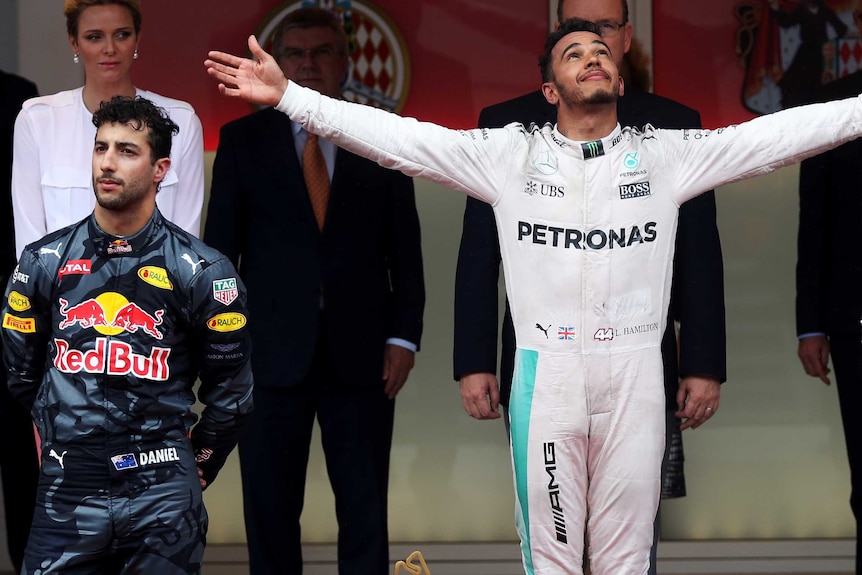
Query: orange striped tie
(316, 177)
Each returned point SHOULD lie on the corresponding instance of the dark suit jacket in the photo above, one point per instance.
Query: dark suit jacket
(18, 465)
(367, 260)
(829, 264)
(14, 90)
(697, 295)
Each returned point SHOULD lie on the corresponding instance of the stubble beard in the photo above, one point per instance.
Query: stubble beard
(598, 97)
(129, 193)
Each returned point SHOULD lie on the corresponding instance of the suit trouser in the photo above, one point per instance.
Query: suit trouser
(847, 361)
(20, 471)
(356, 433)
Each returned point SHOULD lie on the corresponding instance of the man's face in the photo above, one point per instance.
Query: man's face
(311, 57)
(124, 176)
(605, 13)
(584, 70)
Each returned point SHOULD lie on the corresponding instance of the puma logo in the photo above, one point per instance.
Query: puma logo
(55, 251)
(59, 457)
(543, 329)
(192, 263)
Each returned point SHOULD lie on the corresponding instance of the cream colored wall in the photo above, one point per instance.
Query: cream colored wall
(771, 464)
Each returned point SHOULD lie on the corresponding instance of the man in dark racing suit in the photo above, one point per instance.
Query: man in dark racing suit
(107, 324)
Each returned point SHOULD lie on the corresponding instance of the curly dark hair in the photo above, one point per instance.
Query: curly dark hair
(566, 28)
(139, 113)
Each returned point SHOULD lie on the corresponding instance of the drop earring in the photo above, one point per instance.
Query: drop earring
(135, 55)
(75, 59)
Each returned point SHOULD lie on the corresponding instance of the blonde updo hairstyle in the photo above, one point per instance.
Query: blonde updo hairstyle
(73, 9)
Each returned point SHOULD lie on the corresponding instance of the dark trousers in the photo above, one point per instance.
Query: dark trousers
(356, 432)
(20, 471)
(847, 361)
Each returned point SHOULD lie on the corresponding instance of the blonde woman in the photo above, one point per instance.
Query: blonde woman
(51, 168)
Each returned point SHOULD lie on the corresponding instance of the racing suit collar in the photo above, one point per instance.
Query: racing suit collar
(593, 148)
(110, 245)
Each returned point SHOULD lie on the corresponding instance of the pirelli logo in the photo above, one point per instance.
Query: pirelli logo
(22, 324)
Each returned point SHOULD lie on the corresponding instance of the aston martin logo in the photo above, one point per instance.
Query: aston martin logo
(379, 72)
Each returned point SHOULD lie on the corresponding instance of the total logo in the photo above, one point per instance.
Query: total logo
(110, 313)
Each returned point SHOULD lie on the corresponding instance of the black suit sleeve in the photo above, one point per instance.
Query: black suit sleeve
(476, 276)
(14, 91)
(812, 264)
(225, 213)
(699, 291)
(404, 258)
(698, 288)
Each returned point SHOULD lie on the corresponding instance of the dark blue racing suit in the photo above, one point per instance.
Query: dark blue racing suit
(104, 338)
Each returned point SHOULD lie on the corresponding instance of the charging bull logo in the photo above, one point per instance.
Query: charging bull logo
(110, 314)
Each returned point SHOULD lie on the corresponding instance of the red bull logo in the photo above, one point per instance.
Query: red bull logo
(119, 247)
(111, 313)
(113, 357)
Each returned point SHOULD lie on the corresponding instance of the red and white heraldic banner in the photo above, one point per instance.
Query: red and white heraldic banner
(436, 60)
(735, 59)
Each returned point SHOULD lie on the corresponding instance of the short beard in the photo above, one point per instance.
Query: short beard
(601, 97)
(571, 100)
(131, 193)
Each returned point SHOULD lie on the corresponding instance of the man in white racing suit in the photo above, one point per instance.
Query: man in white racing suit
(586, 213)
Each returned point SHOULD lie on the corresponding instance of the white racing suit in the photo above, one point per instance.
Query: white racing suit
(587, 237)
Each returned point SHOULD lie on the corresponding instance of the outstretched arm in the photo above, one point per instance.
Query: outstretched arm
(478, 163)
(259, 81)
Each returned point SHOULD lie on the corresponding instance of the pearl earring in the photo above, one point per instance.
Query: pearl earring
(75, 59)
(135, 55)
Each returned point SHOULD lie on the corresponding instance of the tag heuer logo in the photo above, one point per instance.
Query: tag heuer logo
(225, 290)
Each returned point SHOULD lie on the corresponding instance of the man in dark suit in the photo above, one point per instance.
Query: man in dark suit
(829, 279)
(337, 301)
(18, 461)
(698, 293)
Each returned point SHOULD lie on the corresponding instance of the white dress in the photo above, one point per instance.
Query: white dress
(52, 180)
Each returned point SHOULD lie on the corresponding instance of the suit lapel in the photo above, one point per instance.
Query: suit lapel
(287, 170)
